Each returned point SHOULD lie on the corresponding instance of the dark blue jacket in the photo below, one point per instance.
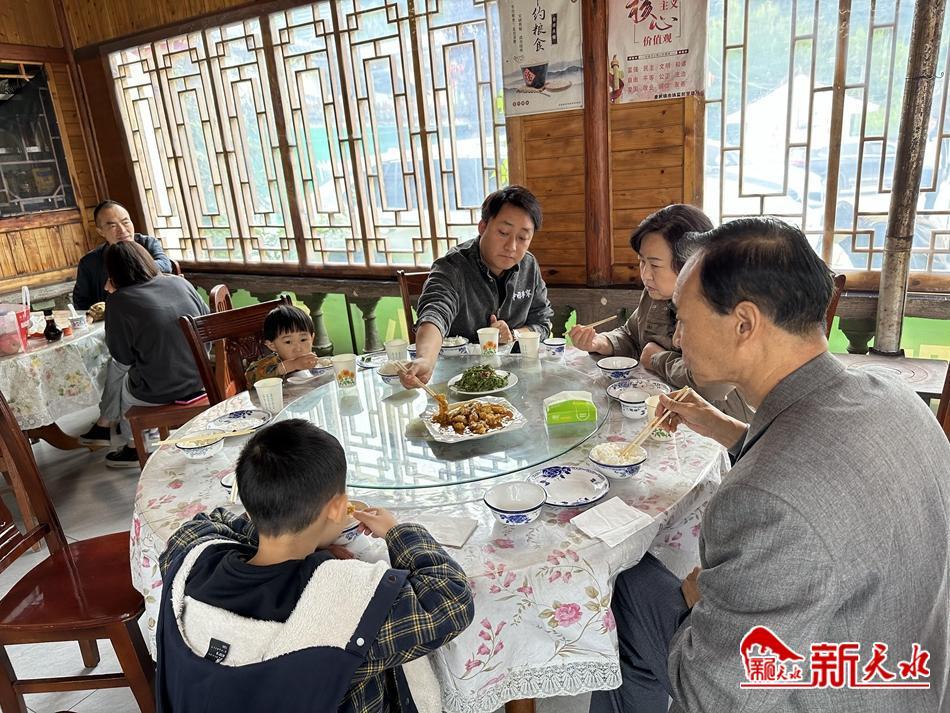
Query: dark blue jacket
(91, 276)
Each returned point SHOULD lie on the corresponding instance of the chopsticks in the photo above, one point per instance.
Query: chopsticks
(602, 321)
(233, 495)
(655, 423)
(227, 434)
(428, 389)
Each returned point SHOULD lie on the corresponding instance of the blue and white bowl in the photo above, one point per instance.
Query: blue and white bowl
(617, 367)
(454, 346)
(515, 503)
(389, 373)
(651, 386)
(412, 351)
(352, 530)
(633, 403)
(606, 457)
(554, 346)
(201, 444)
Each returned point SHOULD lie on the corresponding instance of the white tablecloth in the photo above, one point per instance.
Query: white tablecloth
(543, 625)
(54, 379)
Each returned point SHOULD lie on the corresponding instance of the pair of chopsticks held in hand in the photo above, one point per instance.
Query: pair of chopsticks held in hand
(658, 421)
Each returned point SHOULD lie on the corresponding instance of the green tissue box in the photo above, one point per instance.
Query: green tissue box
(570, 407)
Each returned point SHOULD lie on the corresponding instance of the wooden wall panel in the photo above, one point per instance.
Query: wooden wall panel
(546, 155)
(41, 249)
(29, 22)
(95, 21)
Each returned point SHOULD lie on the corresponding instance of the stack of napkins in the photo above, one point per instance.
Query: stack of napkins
(447, 531)
(613, 521)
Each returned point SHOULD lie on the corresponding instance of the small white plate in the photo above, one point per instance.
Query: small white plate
(228, 480)
(241, 420)
(660, 435)
(372, 360)
(651, 386)
(448, 435)
(570, 485)
(512, 380)
(306, 375)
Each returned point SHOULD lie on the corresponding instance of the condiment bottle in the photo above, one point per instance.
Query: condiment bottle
(52, 332)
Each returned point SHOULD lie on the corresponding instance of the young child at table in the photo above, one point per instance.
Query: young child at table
(259, 615)
(288, 333)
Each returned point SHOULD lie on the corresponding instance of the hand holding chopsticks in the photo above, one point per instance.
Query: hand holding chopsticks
(428, 389)
(655, 423)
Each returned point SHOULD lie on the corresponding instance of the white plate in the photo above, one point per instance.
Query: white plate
(651, 386)
(373, 360)
(241, 420)
(306, 375)
(570, 485)
(448, 435)
(228, 480)
(655, 435)
(512, 380)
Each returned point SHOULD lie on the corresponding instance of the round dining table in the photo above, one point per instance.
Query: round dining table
(543, 625)
(53, 379)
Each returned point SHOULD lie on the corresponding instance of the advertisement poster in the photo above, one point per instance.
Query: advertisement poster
(541, 55)
(657, 49)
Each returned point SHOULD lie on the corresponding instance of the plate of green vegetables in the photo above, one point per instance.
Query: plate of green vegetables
(482, 379)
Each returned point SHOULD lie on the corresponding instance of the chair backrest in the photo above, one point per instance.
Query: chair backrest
(18, 457)
(219, 300)
(833, 304)
(943, 408)
(410, 287)
(176, 268)
(242, 332)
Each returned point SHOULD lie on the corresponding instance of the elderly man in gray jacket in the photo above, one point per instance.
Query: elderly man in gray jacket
(825, 579)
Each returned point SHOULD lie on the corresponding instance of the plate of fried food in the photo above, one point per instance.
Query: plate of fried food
(468, 420)
(481, 380)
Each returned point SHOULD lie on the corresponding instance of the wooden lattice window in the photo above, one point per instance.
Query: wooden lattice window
(770, 98)
(350, 133)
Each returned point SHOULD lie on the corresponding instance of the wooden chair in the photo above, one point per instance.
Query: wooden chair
(410, 286)
(943, 408)
(241, 331)
(176, 268)
(219, 299)
(81, 592)
(833, 304)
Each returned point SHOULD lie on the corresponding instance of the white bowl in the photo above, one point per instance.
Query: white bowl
(617, 367)
(515, 503)
(630, 466)
(197, 446)
(352, 530)
(554, 346)
(634, 403)
(389, 373)
(454, 346)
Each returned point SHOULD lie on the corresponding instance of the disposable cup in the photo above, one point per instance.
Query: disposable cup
(397, 350)
(488, 340)
(270, 393)
(344, 369)
(529, 342)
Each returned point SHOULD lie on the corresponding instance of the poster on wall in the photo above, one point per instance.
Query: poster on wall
(541, 55)
(657, 49)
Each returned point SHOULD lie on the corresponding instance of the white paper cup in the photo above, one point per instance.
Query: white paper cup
(529, 342)
(397, 350)
(270, 393)
(344, 369)
(488, 340)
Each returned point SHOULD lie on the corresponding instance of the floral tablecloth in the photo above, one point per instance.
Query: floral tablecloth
(52, 380)
(543, 625)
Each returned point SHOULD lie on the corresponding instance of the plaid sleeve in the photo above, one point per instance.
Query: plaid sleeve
(434, 607)
(262, 369)
(219, 524)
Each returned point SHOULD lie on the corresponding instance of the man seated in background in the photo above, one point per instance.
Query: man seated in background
(114, 224)
(489, 281)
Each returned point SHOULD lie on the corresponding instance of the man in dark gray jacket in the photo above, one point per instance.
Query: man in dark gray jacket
(490, 281)
(826, 552)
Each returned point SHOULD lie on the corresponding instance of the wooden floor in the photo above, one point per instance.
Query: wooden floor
(94, 500)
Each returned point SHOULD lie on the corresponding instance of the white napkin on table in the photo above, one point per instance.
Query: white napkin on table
(447, 531)
(613, 521)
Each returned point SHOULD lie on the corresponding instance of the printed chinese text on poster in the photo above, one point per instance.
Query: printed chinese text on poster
(656, 49)
(541, 55)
